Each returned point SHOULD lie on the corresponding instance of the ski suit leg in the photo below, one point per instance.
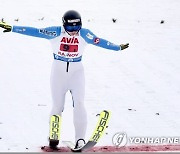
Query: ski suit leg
(77, 90)
(58, 87)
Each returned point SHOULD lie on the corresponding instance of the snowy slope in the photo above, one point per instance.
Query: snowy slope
(143, 78)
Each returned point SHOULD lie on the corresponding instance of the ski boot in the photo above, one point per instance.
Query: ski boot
(79, 144)
(53, 144)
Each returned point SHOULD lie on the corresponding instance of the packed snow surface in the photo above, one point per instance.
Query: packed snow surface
(139, 85)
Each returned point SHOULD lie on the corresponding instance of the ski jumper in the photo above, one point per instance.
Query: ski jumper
(67, 70)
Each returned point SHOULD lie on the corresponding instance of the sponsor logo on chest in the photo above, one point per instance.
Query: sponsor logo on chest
(69, 47)
(72, 40)
(63, 54)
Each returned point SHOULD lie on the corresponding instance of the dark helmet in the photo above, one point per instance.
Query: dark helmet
(72, 21)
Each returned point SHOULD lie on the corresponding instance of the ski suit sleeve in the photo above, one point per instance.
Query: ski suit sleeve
(47, 33)
(90, 38)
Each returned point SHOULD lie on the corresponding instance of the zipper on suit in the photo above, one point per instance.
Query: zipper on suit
(67, 67)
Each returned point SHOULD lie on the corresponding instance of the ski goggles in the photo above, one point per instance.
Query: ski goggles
(72, 28)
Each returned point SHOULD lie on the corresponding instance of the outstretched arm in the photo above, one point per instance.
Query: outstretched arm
(47, 33)
(90, 38)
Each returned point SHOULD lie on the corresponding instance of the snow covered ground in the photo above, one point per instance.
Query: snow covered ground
(140, 85)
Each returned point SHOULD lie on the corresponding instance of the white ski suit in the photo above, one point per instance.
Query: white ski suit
(67, 70)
